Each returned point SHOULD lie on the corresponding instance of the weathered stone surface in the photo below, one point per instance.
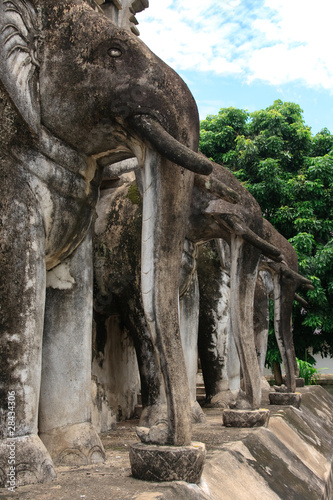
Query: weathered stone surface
(300, 382)
(156, 434)
(280, 388)
(291, 459)
(235, 400)
(243, 278)
(122, 12)
(168, 463)
(76, 444)
(218, 354)
(28, 458)
(117, 262)
(83, 99)
(61, 125)
(245, 418)
(285, 398)
(102, 416)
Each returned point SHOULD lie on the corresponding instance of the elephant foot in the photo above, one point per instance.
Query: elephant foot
(198, 416)
(76, 444)
(153, 426)
(24, 460)
(156, 434)
(280, 388)
(230, 399)
(152, 414)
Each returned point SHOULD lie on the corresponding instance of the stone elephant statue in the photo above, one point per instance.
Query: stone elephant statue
(117, 263)
(78, 93)
(254, 244)
(219, 359)
(207, 221)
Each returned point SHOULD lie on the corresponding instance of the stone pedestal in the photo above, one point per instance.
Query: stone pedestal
(245, 418)
(168, 463)
(285, 398)
(300, 382)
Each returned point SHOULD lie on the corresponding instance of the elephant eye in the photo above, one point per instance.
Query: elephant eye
(114, 52)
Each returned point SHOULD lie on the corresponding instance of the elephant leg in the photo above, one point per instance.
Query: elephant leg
(189, 322)
(218, 355)
(243, 278)
(232, 368)
(284, 293)
(65, 405)
(22, 297)
(167, 194)
(264, 288)
(152, 387)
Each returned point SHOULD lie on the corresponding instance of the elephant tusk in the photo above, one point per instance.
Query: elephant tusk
(289, 273)
(168, 147)
(241, 229)
(301, 301)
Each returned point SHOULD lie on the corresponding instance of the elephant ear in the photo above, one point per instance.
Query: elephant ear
(18, 58)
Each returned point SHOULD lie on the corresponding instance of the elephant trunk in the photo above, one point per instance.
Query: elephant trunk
(169, 147)
(165, 210)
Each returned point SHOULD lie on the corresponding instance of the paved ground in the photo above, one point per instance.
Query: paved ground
(113, 480)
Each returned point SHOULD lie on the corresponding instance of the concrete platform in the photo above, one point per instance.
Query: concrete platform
(291, 459)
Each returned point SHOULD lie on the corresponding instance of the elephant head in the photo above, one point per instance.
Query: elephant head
(90, 94)
(95, 86)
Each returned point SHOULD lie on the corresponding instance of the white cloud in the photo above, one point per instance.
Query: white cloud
(276, 41)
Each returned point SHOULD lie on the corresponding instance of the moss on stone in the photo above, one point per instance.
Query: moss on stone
(134, 195)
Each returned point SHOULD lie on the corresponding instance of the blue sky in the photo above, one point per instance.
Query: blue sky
(247, 54)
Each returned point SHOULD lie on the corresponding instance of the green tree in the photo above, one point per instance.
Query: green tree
(290, 173)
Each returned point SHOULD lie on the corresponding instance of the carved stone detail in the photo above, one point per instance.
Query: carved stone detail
(122, 12)
(245, 418)
(33, 463)
(76, 444)
(168, 463)
(285, 398)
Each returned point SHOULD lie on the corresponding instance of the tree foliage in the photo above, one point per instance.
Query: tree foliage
(290, 173)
